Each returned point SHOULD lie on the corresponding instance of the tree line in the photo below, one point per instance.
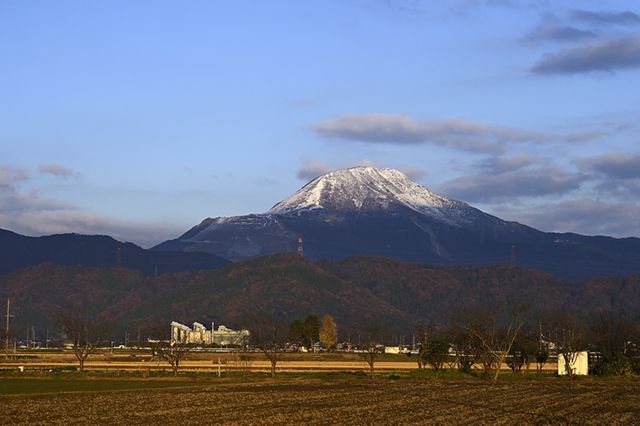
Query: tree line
(474, 337)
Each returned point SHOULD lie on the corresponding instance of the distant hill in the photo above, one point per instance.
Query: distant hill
(367, 211)
(19, 251)
(356, 291)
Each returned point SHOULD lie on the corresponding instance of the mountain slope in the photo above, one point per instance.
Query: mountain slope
(381, 212)
(356, 291)
(19, 251)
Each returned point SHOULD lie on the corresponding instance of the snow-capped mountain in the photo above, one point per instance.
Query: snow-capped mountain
(379, 211)
(367, 188)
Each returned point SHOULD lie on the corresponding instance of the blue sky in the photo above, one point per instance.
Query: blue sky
(140, 119)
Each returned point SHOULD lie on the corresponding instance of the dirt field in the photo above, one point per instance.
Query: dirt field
(339, 399)
(208, 362)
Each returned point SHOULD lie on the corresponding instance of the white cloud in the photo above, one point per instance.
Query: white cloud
(488, 187)
(600, 56)
(31, 213)
(403, 130)
(58, 170)
(582, 216)
(312, 169)
(616, 166)
(10, 176)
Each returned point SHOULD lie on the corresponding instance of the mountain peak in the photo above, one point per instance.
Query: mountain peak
(366, 189)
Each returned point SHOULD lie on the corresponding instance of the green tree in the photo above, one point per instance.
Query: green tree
(296, 332)
(612, 333)
(542, 355)
(311, 331)
(522, 351)
(437, 353)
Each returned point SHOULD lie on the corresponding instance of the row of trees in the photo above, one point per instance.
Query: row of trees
(492, 338)
(471, 337)
(311, 331)
(269, 335)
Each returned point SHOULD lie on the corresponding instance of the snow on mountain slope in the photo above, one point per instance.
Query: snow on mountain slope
(369, 188)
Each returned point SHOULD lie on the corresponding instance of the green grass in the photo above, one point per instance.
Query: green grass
(36, 386)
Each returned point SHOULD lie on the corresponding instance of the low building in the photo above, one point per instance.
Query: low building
(392, 349)
(578, 363)
(199, 335)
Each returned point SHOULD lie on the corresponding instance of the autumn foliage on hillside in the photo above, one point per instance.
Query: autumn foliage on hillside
(355, 292)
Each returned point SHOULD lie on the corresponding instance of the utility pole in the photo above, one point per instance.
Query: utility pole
(540, 338)
(7, 329)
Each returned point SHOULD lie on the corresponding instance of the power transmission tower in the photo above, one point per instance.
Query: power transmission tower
(119, 257)
(300, 249)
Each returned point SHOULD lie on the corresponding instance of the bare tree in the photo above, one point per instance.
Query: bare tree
(83, 330)
(423, 333)
(371, 347)
(173, 353)
(241, 362)
(613, 335)
(495, 332)
(7, 341)
(571, 339)
(541, 354)
(268, 334)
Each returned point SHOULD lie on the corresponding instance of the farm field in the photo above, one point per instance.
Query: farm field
(209, 362)
(326, 399)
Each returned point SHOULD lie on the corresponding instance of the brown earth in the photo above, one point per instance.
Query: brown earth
(340, 400)
(229, 362)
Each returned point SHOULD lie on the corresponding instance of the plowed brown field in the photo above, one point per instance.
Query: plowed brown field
(309, 400)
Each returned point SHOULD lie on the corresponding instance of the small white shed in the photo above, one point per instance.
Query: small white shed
(392, 349)
(578, 362)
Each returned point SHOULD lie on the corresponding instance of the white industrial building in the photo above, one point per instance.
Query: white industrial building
(199, 335)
